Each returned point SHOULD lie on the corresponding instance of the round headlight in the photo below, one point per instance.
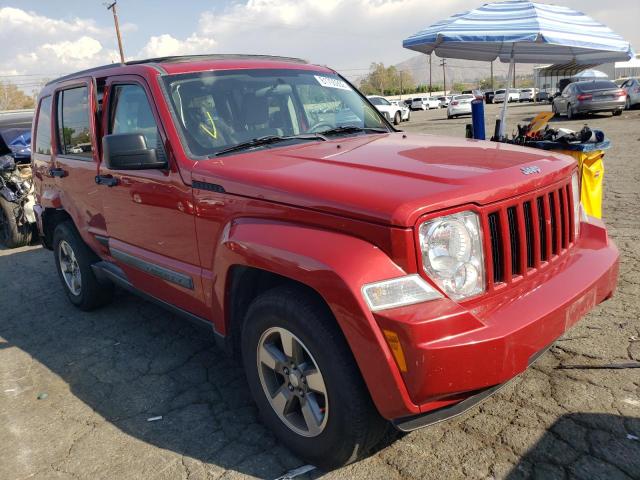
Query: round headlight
(452, 254)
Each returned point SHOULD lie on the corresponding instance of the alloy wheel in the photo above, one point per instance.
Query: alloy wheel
(292, 382)
(70, 268)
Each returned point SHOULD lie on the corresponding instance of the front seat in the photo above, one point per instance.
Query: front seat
(255, 114)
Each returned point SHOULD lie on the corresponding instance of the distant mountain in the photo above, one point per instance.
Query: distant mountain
(458, 71)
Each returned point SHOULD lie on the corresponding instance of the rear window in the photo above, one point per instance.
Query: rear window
(499, 91)
(596, 85)
(43, 128)
(73, 123)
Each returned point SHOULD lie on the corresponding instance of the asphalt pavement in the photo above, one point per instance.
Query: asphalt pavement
(130, 391)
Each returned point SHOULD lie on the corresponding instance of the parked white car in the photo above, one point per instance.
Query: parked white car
(444, 101)
(528, 94)
(406, 112)
(460, 105)
(425, 103)
(392, 112)
(514, 96)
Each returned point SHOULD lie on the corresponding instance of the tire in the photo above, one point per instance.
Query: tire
(408, 116)
(554, 110)
(12, 235)
(70, 249)
(349, 425)
(397, 118)
(570, 114)
(627, 103)
(617, 113)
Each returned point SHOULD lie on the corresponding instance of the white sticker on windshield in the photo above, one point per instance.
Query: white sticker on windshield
(332, 82)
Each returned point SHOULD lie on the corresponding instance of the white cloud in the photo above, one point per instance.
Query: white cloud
(340, 33)
(49, 47)
(165, 45)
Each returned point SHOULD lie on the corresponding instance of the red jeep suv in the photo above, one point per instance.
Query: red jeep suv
(366, 277)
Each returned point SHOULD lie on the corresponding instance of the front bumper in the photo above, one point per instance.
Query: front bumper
(454, 352)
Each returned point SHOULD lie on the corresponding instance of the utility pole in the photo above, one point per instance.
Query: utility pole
(443, 64)
(112, 7)
(430, 84)
(514, 75)
(401, 75)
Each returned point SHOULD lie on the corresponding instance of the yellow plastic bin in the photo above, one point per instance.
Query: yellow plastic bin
(591, 167)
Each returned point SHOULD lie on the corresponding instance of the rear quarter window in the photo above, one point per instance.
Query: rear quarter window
(43, 128)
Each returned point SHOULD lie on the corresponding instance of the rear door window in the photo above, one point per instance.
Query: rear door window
(43, 128)
(74, 131)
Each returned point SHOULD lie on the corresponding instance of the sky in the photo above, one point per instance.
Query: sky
(46, 38)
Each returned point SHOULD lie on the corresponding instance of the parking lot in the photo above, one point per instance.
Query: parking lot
(77, 389)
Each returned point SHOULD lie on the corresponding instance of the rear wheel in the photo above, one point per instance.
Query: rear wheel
(73, 262)
(304, 379)
(617, 112)
(12, 235)
(570, 113)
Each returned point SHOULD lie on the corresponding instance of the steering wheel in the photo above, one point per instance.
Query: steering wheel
(314, 128)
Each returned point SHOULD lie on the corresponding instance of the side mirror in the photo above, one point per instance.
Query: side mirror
(128, 151)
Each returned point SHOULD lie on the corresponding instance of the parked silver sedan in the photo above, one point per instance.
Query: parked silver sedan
(632, 88)
(589, 97)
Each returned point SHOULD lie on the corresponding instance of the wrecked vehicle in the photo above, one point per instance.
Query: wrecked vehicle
(17, 219)
(367, 278)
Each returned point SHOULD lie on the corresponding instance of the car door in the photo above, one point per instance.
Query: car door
(149, 212)
(74, 159)
(563, 99)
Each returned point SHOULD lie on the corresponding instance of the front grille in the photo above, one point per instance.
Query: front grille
(527, 233)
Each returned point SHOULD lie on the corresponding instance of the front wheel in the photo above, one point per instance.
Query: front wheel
(12, 235)
(397, 118)
(305, 381)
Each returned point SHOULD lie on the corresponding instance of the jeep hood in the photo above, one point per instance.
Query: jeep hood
(390, 179)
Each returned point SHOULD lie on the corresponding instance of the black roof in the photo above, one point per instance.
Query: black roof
(178, 59)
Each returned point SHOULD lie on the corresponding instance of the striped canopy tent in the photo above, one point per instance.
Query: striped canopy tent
(521, 31)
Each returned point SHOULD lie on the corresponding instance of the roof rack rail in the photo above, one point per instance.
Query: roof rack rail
(178, 59)
(214, 56)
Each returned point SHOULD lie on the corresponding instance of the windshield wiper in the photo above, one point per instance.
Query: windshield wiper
(353, 129)
(268, 140)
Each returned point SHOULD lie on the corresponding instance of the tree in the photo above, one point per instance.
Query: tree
(12, 98)
(383, 80)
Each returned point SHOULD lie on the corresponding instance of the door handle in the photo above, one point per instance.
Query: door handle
(57, 172)
(107, 180)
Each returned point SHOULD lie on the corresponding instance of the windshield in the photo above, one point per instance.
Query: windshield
(217, 110)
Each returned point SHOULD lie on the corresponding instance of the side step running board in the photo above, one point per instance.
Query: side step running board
(109, 272)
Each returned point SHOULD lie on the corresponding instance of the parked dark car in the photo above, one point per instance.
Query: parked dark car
(589, 97)
(15, 129)
(488, 96)
(543, 97)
